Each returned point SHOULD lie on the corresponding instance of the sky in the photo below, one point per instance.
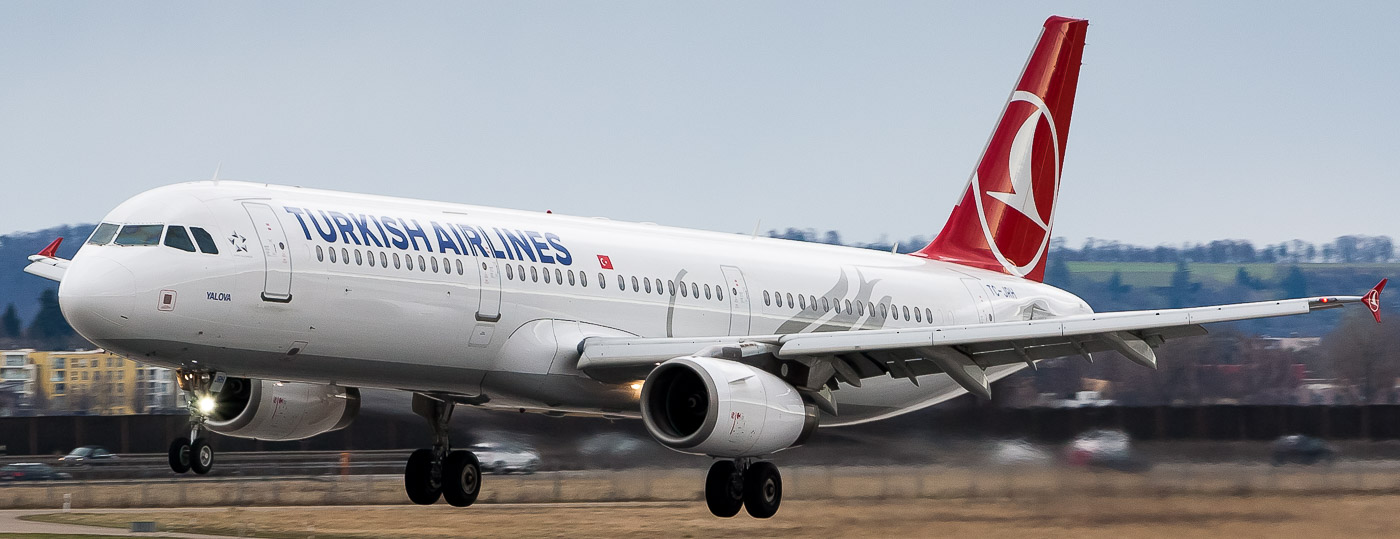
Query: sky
(1195, 121)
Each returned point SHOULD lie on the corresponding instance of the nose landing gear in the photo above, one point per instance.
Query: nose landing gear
(439, 471)
(194, 452)
(740, 483)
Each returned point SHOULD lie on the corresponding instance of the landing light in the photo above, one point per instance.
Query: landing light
(206, 405)
(636, 386)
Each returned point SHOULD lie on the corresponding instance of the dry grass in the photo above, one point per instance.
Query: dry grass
(1065, 516)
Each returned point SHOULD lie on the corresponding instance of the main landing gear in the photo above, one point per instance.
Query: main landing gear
(194, 453)
(742, 483)
(439, 471)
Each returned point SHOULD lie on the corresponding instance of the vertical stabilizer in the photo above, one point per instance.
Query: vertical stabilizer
(1003, 221)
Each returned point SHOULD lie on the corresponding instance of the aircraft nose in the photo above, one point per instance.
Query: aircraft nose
(97, 296)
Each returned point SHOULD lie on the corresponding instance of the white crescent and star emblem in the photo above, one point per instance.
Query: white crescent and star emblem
(1020, 195)
(1372, 301)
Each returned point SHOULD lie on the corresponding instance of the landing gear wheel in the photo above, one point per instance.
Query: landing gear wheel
(418, 479)
(201, 456)
(724, 489)
(763, 489)
(461, 478)
(180, 455)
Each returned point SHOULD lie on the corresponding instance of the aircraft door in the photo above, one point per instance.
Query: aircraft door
(277, 260)
(980, 299)
(738, 300)
(489, 310)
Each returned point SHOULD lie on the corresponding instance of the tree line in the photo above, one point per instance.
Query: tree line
(1350, 249)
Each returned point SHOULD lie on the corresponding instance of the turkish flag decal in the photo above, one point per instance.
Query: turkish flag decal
(605, 262)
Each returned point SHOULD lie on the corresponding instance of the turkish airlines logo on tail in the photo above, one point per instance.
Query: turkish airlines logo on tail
(1017, 183)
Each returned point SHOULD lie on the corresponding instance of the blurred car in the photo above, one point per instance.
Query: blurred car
(1302, 450)
(30, 471)
(1017, 452)
(1105, 449)
(88, 454)
(504, 458)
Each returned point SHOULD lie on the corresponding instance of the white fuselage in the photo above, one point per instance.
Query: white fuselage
(488, 319)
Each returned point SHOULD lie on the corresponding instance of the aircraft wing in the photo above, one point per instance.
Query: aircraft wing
(962, 352)
(47, 264)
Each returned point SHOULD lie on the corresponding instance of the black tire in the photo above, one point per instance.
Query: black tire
(201, 456)
(724, 489)
(418, 478)
(763, 489)
(180, 455)
(461, 478)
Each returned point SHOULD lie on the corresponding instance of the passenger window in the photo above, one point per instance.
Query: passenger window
(332, 250)
(510, 272)
(621, 283)
(884, 312)
(848, 307)
(635, 284)
(801, 301)
(103, 234)
(139, 235)
(695, 290)
(571, 278)
(826, 305)
(521, 270)
(534, 274)
(176, 237)
(359, 258)
(396, 261)
(408, 262)
(648, 285)
(872, 309)
(344, 255)
(383, 260)
(719, 292)
(558, 277)
(918, 315)
(435, 265)
(707, 292)
(422, 264)
(768, 300)
(860, 309)
(671, 287)
(546, 275)
(659, 291)
(602, 281)
(320, 254)
(684, 292)
(789, 300)
(370, 256)
(458, 263)
(906, 313)
(204, 240)
(838, 306)
(583, 279)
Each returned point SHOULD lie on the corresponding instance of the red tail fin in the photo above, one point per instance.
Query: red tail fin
(1003, 221)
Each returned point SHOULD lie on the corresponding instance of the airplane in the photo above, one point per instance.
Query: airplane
(276, 304)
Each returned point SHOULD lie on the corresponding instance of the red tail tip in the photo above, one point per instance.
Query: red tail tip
(1372, 300)
(52, 250)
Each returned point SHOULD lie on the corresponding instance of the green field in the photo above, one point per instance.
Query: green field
(1153, 274)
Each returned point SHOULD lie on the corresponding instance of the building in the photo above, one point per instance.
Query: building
(93, 382)
(18, 383)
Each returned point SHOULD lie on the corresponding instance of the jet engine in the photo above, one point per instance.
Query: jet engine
(265, 410)
(723, 408)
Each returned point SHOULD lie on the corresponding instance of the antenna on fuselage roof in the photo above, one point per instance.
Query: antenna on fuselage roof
(756, 226)
(895, 250)
(217, 168)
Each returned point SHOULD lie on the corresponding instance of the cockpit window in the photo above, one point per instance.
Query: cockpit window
(205, 241)
(103, 235)
(176, 237)
(139, 235)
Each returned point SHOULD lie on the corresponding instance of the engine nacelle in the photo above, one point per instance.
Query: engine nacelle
(723, 408)
(253, 408)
